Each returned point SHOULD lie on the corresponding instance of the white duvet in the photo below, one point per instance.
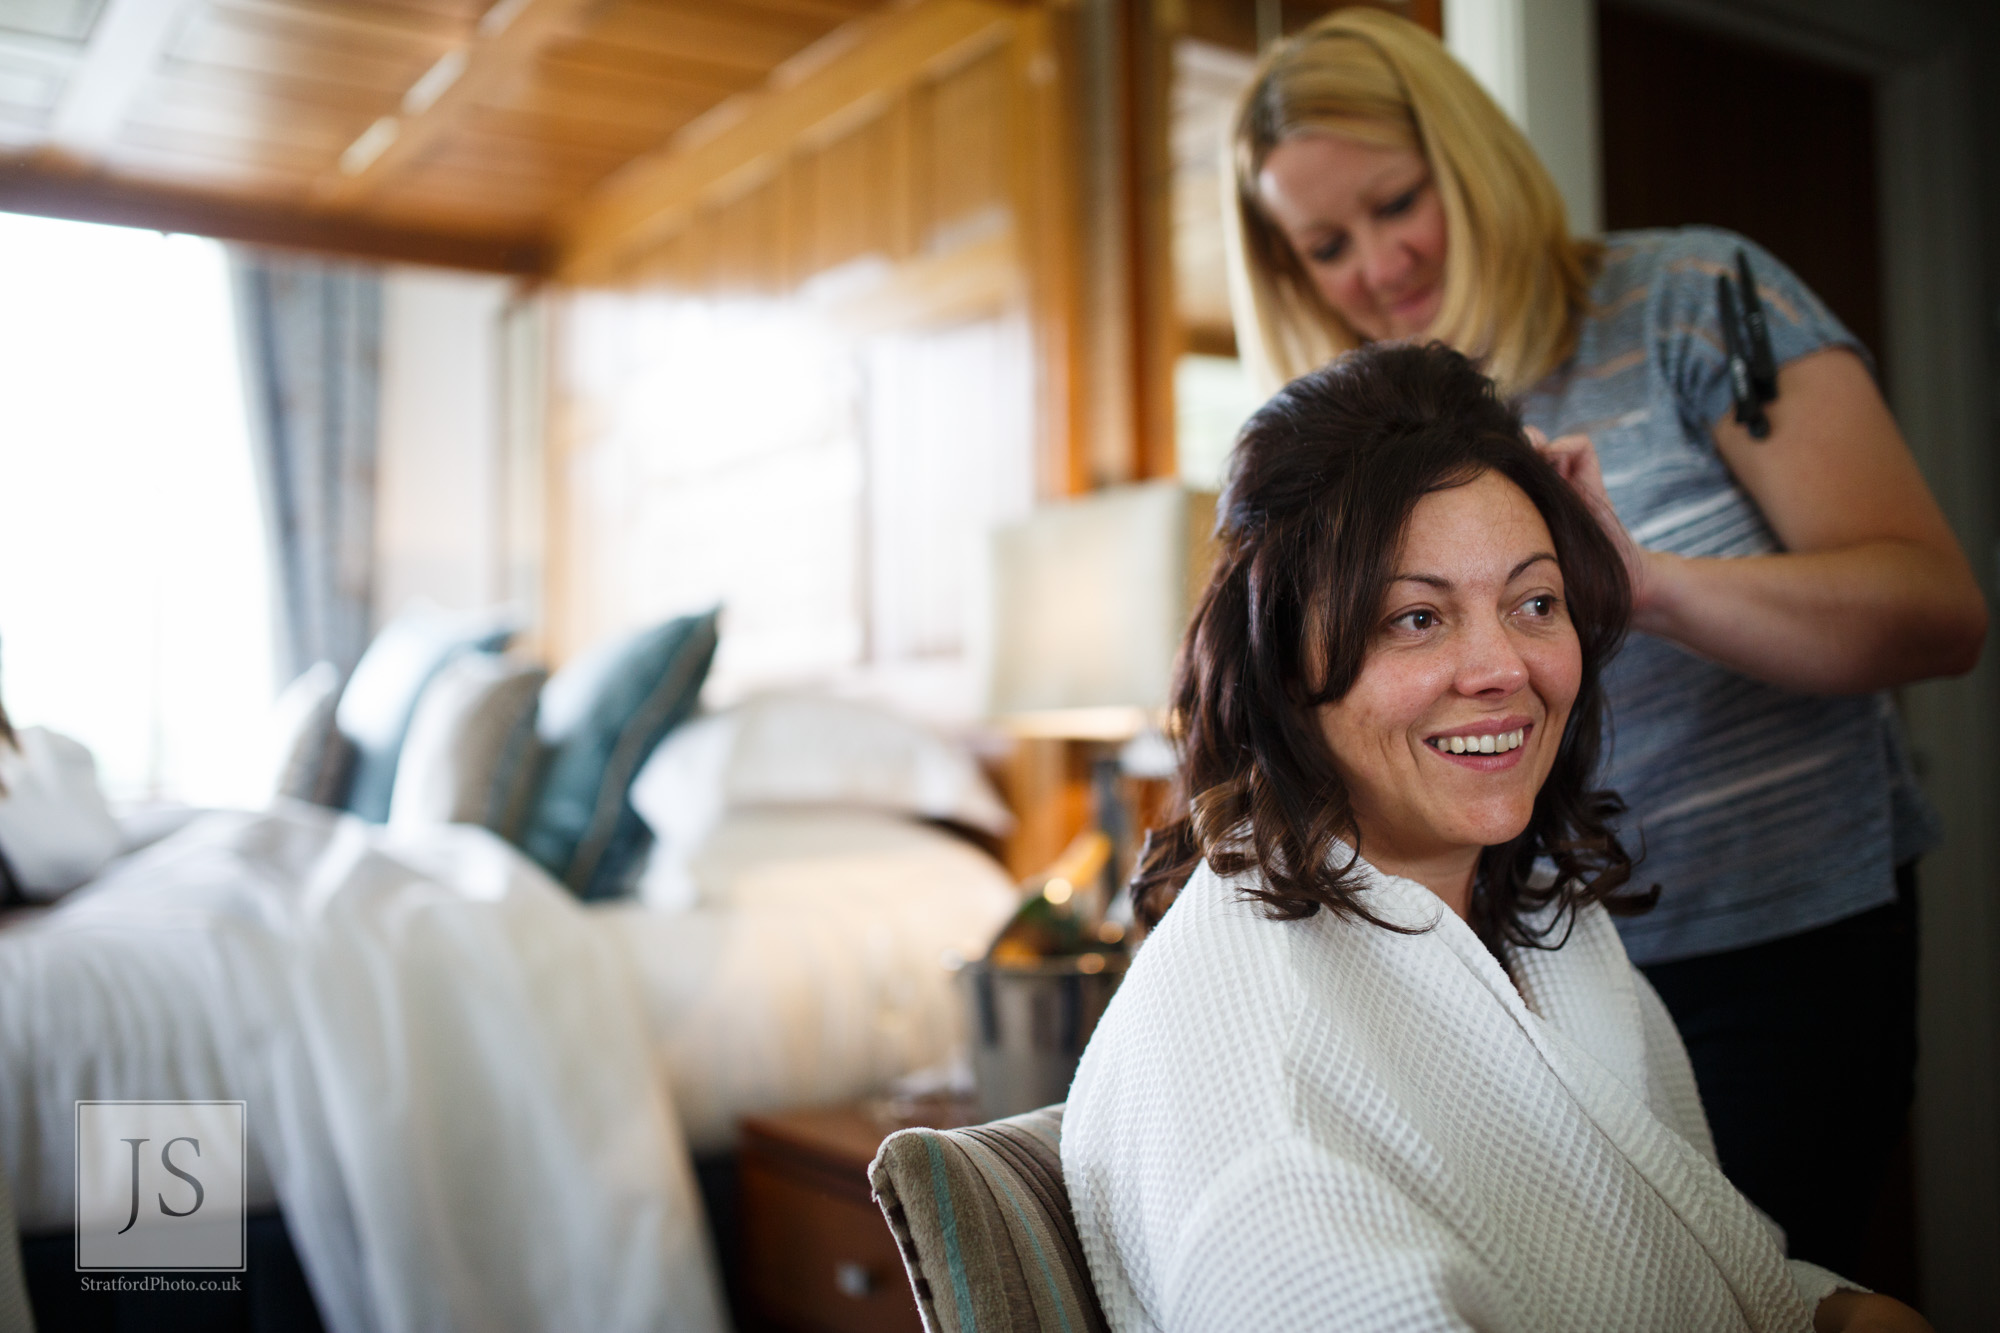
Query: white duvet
(450, 1088)
(472, 1096)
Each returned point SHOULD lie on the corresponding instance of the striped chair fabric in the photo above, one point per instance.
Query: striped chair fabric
(15, 1316)
(983, 1221)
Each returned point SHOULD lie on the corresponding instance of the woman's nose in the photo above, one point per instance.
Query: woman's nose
(1385, 263)
(1491, 665)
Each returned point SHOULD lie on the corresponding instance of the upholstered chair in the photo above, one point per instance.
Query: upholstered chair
(984, 1224)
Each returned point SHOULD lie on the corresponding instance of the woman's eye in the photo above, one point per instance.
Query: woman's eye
(1416, 620)
(1401, 204)
(1542, 606)
(1328, 250)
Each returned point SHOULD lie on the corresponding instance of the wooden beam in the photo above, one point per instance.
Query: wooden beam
(25, 188)
(503, 46)
(125, 48)
(870, 62)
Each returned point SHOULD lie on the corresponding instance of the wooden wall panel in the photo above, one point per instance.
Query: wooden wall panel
(931, 166)
(964, 150)
(880, 58)
(746, 256)
(840, 311)
(847, 194)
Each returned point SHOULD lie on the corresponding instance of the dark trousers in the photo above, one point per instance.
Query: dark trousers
(1805, 1050)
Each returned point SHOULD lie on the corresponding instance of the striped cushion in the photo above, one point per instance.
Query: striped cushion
(599, 717)
(984, 1224)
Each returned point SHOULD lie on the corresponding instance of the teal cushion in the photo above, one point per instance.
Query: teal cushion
(600, 717)
(381, 696)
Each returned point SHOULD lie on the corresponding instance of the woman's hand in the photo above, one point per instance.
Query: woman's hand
(1870, 590)
(1575, 458)
(1853, 1312)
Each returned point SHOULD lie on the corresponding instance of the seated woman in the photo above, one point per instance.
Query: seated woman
(1383, 1063)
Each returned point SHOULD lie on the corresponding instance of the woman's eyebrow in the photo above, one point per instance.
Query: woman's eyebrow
(1534, 559)
(1391, 183)
(1437, 581)
(1443, 584)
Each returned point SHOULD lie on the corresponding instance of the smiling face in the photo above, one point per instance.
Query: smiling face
(1452, 725)
(1367, 226)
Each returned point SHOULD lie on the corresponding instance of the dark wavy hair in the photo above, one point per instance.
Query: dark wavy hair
(1322, 483)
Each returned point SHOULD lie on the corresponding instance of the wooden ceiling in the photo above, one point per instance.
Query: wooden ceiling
(442, 131)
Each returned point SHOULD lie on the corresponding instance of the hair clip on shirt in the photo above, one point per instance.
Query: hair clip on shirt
(1746, 338)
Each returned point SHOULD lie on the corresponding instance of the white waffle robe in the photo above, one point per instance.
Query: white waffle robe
(1325, 1124)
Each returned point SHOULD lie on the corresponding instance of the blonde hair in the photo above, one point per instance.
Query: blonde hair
(1515, 283)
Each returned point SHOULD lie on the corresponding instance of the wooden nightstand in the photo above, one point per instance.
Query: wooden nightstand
(817, 1256)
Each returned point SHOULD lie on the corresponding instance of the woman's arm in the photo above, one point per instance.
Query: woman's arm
(1871, 590)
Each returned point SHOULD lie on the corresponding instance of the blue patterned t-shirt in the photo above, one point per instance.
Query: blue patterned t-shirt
(1761, 812)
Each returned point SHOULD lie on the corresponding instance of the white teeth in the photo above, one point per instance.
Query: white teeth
(1488, 744)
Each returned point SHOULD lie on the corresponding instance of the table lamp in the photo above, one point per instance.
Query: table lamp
(1089, 599)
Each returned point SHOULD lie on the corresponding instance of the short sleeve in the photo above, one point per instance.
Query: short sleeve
(1687, 319)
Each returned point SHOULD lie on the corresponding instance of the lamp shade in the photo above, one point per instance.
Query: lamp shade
(1090, 598)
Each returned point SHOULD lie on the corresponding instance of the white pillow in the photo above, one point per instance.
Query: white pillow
(808, 750)
(468, 736)
(55, 829)
(308, 757)
(774, 858)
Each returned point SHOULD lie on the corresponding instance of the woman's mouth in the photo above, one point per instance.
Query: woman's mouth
(1485, 749)
(1415, 306)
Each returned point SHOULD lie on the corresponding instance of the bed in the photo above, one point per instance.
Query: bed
(474, 1098)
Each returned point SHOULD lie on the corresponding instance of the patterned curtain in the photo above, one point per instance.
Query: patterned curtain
(311, 332)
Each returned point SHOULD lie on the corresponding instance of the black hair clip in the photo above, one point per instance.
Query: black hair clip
(1746, 338)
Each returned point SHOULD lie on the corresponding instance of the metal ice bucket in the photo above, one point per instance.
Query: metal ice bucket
(1030, 1025)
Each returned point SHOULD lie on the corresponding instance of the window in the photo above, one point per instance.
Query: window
(133, 593)
(1213, 397)
(949, 456)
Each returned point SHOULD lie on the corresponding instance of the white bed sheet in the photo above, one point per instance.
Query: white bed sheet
(105, 997)
(818, 977)
(450, 1088)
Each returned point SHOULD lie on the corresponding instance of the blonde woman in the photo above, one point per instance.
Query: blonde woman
(1780, 585)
